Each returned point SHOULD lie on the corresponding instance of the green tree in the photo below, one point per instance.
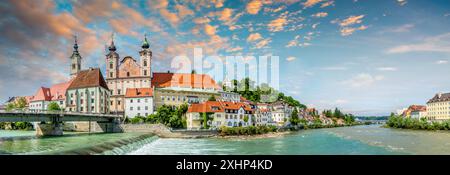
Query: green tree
(10, 106)
(21, 103)
(53, 106)
(212, 98)
(294, 117)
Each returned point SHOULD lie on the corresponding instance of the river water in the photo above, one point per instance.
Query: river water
(359, 140)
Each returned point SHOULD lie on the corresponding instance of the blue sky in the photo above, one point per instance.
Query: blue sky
(367, 57)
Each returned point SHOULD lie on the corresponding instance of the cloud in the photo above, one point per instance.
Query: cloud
(363, 80)
(326, 4)
(201, 20)
(210, 30)
(290, 59)
(402, 28)
(438, 43)
(263, 43)
(310, 3)
(402, 2)
(387, 69)
(346, 31)
(234, 49)
(320, 15)
(254, 6)
(253, 37)
(183, 11)
(349, 21)
(442, 62)
(294, 42)
(225, 15)
(277, 25)
(346, 25)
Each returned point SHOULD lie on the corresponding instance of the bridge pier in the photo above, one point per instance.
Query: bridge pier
(49, 129)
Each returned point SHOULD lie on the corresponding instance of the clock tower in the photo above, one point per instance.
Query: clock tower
(112, 61)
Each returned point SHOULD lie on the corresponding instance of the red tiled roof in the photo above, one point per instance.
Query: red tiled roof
(139, 92)
(43, 94)
(161, 80)
(88, 78)
(414, 108)
(58, 91)
(217, 106)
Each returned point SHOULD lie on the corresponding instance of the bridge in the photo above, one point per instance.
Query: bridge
(108, 122)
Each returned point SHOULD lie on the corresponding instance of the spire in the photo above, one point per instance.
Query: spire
(145, 45)
(75, 46)
(112, 47)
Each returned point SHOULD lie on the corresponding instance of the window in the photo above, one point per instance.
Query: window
(92, 100)
(118, 91)
(81, 101)
(145, 72)
(71, 102)
(111, 103)
(162, 98)
(131, 108)
(81, 94)
(138, 108)
(60, 102)
(146, 108)
(81, 108)
(110, 65)
(92, 93)
(128, 74)
(92, 108)
(131, 101)
(138, 100)
(146, 114)
(73, 66)
(146, 100)
(145, 62)
(118, 102)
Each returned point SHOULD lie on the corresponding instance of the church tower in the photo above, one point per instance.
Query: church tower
(75, 66)
(146, 58)
(112, 61)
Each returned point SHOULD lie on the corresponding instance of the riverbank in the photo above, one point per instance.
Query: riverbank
(416, 124)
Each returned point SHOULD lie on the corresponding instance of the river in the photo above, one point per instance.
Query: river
(358, 140)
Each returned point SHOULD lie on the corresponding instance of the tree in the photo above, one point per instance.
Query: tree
(53, 106)
(212, 98)
(10, 107)
(294, 117)
(193, 71)
(21, 103)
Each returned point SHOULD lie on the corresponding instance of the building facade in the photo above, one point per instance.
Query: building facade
(175, 89)
(88, 93)
(219, 114)
(127, 73)
(139, 102)
(438, 107)
(44, 96)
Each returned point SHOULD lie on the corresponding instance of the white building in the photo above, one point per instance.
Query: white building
(418, 114)
(230, 96)
(281, 113)
(139, 102)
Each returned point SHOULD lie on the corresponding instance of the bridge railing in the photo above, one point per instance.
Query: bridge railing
(63, 113)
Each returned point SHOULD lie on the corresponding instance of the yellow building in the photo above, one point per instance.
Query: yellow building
(438, 108)
(175, 89)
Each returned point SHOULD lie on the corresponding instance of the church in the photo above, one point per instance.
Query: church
(173, 89)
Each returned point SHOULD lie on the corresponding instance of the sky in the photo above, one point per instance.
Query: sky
(367, 57)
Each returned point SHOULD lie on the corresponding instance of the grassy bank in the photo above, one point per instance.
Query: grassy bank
(16, 126)
(416, 124)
